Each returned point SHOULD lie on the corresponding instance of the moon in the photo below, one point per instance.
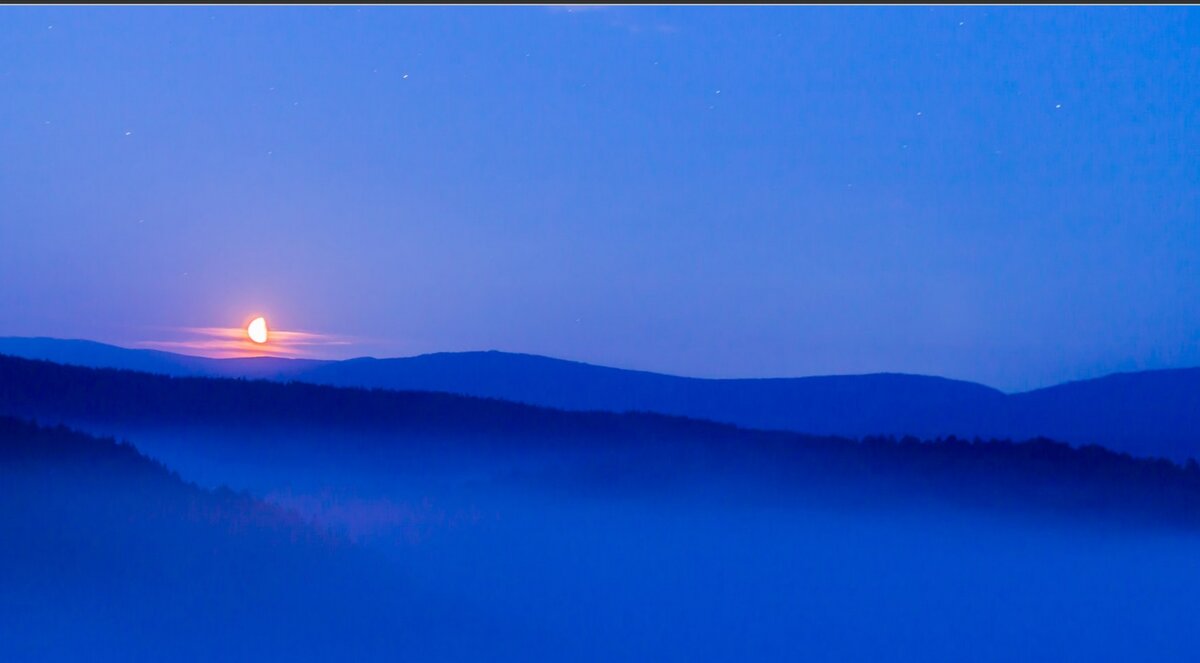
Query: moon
(257, 330)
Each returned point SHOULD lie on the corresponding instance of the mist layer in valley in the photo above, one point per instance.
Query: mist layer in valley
(425, 526)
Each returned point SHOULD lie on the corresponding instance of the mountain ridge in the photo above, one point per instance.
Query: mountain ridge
(1145, 413)
(63, 350)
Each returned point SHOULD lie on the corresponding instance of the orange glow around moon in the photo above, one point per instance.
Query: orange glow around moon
(257, 330)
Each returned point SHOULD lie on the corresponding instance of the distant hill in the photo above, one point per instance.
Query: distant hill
(852, 405)
(1152, 413)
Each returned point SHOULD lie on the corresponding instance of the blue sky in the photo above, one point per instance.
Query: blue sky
(1006, 195)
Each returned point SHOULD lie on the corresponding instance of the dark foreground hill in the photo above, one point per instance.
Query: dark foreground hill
(1151, 413)
(107, 555)
(330, 429)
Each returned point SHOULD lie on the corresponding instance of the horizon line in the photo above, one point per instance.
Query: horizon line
(285, 357)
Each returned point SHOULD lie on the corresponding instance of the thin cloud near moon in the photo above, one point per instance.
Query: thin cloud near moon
(231, 342)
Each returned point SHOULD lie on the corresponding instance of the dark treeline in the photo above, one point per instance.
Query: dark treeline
(52, 391)
(629, 453)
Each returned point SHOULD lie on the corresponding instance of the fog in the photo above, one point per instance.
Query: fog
(510, 553)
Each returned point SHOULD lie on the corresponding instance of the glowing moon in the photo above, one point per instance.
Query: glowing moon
(257, 331)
